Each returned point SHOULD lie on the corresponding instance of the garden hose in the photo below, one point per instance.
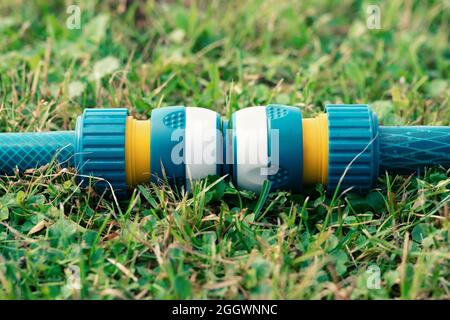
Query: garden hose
(342, 148)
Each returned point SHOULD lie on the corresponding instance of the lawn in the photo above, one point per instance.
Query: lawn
(60, 241)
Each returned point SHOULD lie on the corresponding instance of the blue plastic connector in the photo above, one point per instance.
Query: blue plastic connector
(353, 147)
(100, 148)
(287, 121)
(166, 132)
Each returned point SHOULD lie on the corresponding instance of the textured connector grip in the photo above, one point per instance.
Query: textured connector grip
(167, 131)
(32, 150)
(285, 152)
(100, 147)
(405, 150)
(353, 147)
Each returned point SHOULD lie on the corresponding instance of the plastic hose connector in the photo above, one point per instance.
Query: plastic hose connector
(32, 150)
(285, 147)
(167, 145)
(100, 148)
(250, 148)
(202, 144)
(353, 147)
(404, 150)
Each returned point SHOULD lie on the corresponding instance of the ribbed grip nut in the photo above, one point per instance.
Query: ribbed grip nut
(353, 147)
(100, 148)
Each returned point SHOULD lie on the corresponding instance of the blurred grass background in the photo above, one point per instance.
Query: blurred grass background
(219, 242)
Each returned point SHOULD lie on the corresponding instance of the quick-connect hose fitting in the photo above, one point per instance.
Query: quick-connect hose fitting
(186, 144)
(167, 132)
(285, 130)
(344, 148)
(267, 145)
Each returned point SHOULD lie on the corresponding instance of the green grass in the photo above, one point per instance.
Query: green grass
(219, 242)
